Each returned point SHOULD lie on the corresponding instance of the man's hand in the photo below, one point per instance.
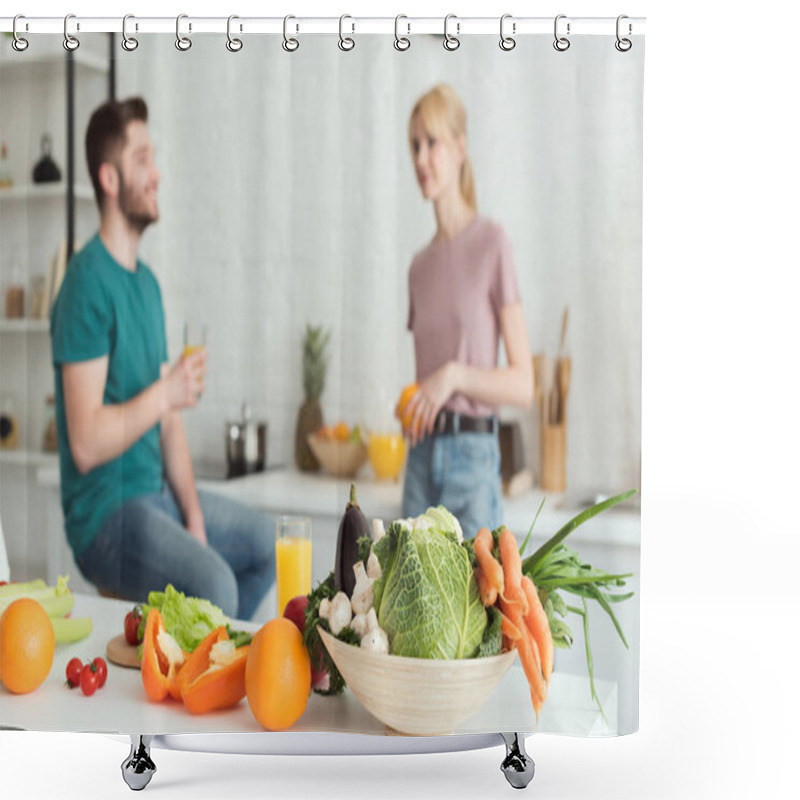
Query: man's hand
(185, 381)
(196, 526)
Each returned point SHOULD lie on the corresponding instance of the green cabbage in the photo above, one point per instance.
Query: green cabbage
(427, 600)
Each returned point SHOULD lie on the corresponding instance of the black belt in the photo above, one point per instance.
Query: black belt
(451, 422)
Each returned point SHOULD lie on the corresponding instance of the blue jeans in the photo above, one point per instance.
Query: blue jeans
(144, 546)
(459, 471)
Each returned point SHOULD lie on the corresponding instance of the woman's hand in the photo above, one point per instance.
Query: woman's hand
(431, 396)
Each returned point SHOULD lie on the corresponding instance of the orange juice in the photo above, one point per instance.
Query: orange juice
(188, 349)
(293, 567)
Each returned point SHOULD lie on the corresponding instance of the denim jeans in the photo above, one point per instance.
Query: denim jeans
(144, 546)
(459, 471)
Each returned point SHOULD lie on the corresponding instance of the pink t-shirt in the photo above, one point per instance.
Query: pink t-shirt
(456, 290)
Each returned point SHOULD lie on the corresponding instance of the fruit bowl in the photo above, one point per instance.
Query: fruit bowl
(340, 459)
(418, 696)
(387, 454)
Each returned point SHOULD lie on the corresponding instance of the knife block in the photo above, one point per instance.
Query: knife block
(553, 465)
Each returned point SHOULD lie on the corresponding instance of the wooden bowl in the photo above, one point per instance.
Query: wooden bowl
(340, 459)
(418, 696)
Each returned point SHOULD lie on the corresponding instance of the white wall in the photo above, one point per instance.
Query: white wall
(288, 196)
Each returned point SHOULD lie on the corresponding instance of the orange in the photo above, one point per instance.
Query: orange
(341, 432)
(402, 404)
(278, 675)
(27, 646)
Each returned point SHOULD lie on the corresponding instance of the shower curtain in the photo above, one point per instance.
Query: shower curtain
(292, 197)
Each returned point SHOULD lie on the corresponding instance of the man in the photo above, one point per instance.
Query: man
(134, 518)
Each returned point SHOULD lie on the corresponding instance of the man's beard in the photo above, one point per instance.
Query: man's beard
(137, 218)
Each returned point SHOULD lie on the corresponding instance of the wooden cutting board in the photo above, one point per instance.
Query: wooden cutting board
(119, 652)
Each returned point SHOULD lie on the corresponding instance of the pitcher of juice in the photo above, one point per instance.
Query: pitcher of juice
(292, 558)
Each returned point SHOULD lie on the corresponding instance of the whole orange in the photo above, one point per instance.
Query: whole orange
(27, 646)
(405, 398)
(278, 675)
(341, 432)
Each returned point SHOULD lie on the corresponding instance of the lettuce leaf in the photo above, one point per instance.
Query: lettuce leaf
(187, 619)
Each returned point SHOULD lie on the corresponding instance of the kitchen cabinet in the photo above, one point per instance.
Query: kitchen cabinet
(45, 91)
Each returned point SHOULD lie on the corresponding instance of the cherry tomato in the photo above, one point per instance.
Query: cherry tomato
(132, 620)
(88, 679)
(102, 671)
(74, 669)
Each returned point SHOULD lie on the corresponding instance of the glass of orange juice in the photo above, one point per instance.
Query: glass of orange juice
(194, 338)
(292, 558)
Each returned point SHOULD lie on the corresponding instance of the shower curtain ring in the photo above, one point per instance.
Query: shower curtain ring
(507, 42)
(346, 43)
(71, 44)
(129, 43)
(233, 44)
(289, 44)
(401, 43)
(561, 43)
(183, 43)
(19, 44)
(451, 42)
(623, 45)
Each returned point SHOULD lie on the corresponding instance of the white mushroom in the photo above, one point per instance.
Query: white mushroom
(363, 593)
(373, 566)
(378, 531)
(359, 624)
(375, 638)
(337, 612)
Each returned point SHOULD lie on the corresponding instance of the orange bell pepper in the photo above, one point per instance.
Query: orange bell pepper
(162, 658)
(213, 675)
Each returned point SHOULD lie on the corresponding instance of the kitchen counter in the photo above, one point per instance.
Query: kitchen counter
(122, 707)
(288, 491)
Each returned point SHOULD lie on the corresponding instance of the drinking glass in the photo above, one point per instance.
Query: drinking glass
(292, 558)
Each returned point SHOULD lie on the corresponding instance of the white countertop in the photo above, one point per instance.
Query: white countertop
(289, 491)
(122, 707)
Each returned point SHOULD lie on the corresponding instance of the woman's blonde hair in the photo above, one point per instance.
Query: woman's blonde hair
(440, 110)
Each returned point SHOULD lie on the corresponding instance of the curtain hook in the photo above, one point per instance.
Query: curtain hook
(346, 43)
(507, 42)
(289, 44)
(401, 43)
(623, 45)
(129, 43)
(19, 44)
(561, 43)
(70, 42)
(183, 43)
(233, 44)
(450, 42)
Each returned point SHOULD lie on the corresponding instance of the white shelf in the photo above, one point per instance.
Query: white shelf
(24, 326)
(28, 458)
(43, 191)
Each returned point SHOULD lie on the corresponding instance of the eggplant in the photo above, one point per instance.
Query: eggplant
(353, 526)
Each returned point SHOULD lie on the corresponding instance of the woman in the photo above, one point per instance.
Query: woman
(463, 298)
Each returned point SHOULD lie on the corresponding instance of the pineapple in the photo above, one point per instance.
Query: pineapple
(309, 418)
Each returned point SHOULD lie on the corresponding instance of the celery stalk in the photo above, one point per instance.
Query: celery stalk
(20, 589)
(71, 630)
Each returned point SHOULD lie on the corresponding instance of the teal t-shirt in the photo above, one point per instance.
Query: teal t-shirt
(104, 309)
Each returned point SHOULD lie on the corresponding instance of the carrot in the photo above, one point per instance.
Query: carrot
(487, 592)
(509, 629)
(487, 563)
(528, 655)
(512, 570)
(537, 623)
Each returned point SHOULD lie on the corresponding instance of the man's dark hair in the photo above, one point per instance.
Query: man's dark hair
(106, 134)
